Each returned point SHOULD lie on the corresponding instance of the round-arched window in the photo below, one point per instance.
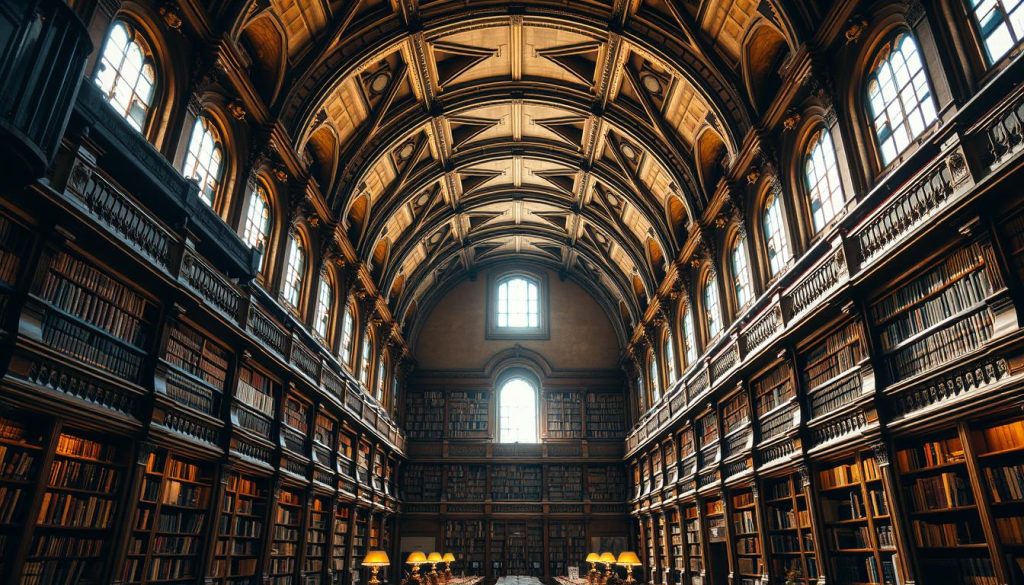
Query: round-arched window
(517, 411)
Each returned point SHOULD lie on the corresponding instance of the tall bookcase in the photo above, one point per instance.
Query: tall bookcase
(945, 520)
(468, 539)
(605, 417)
(857, 524)
(694, 555)
(468, 414)
(73, 532)
(239, 553)
(563, 414)
(790, 544)
(999, 450)
(167, 541)
(198, 369)
(563, 483)
(318, 526)
(424, 415)
(340, 544)
(746, 538)
(511, 482)
(22, 453)
(828, 370)
(254, 406)
(466, 483)
(285, 538)
(567, 546)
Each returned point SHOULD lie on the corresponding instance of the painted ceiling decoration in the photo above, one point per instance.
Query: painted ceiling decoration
(448, 136)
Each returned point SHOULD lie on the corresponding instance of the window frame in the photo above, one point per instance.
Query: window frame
(773, 197)
(668, 349)
(138, 37)
(365, 372)
(710, 282)
(494, 281)
(531, 380)
(348, 324)
(295, 244)
(881, 54)
(691, 350)
(323, 311)
(206, 122)
(988, 61)
(654, 376)
(259, 191)
(815, 139)
(739, 243)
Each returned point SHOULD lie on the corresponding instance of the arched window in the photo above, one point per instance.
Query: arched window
(205, 159)
(899, 98)
(126, 74)
(364, 359)
(324, 301)
(641, 394)
(741, 272)
(775, 240)
(291, 289)
(712, 307)
(518, 303)
(1001, 24)
(670, 357)
(381, 368)
(689, 339)
(345, 353)
(821, 172)
(517, 412)
(257, 221)
(655, 378)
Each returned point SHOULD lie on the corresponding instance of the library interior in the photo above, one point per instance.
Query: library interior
(530, 292)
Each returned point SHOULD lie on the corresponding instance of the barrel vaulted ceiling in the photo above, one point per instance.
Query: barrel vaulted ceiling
(447, 136)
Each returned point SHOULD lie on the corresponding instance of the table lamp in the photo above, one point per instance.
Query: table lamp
(434, 558)
(416, 559)
(629, 560)
(448, 559)
(607, 559)
(375, 559)
(592, 558)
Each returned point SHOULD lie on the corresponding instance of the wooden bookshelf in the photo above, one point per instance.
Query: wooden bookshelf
(606, 483)
(706, 428)
(937, 316)
(424, 415)
(999, 451)
(605, 415)
(255, 401)
(93, 317)
(22, 453)
(676, 544)
(363, 462)
(285, 537)
(714, 517)
(466, 483)
(945, 523)
(746, 538)
(295, 424)
(340, 543)
(496, 548)
(325, 433)
(511, 482)
(827, 369)
(318, 527)
(563, 483)
(564, 415)
(360, 534)
(774, 402)
(671, 456)
(197, 369)
(421, 483)
(238, 552)
(521, 548)
(693, 553)
(790, 538)
(567, 547)
(467, 540)
(468, 414)
(854, 506)
(167, 540)
(651, 549)
(72, 536)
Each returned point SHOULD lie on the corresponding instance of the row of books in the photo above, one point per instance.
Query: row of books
(191, 351)
(837, 353)
(835, 395)
(947, 534)
(849, 537)
(515, 482)
(773, 388)
(12, 241)
(856, 569)
(54, 546)
(120, 317)
(16, 463)
(780, 519)
(81, 343)
(965, 571)
(930, 454)
(939, 492)
(249, 392)
(948, 271)
(1006, 484)
(940, 346)
(564, 482)
(1005, 437)
(76, 511)
(1010, 530)
(82, 475)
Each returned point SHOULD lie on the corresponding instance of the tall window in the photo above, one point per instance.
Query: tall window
(899, 98)
(822, 174)
(364, 360)
(670, 358)
(741, 272)
(379, 394)
(257, 221)
(291, 289)
(689, 339)
(517, 412)
(712, 307)
(652, 373)
(346, 336)
(126, 74)
(518, 303)
(641, 394)
(776, 243)
(1001, 23)
(324, 300)
(205, 159)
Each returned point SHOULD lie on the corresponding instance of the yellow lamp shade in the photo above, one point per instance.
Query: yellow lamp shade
(607, 557)
(628, 559)
(434, 557)
(416, 558)
(376, 558)
(448, 558)
(593, 558)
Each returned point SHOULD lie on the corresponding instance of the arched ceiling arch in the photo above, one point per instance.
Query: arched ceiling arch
(550, 131)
